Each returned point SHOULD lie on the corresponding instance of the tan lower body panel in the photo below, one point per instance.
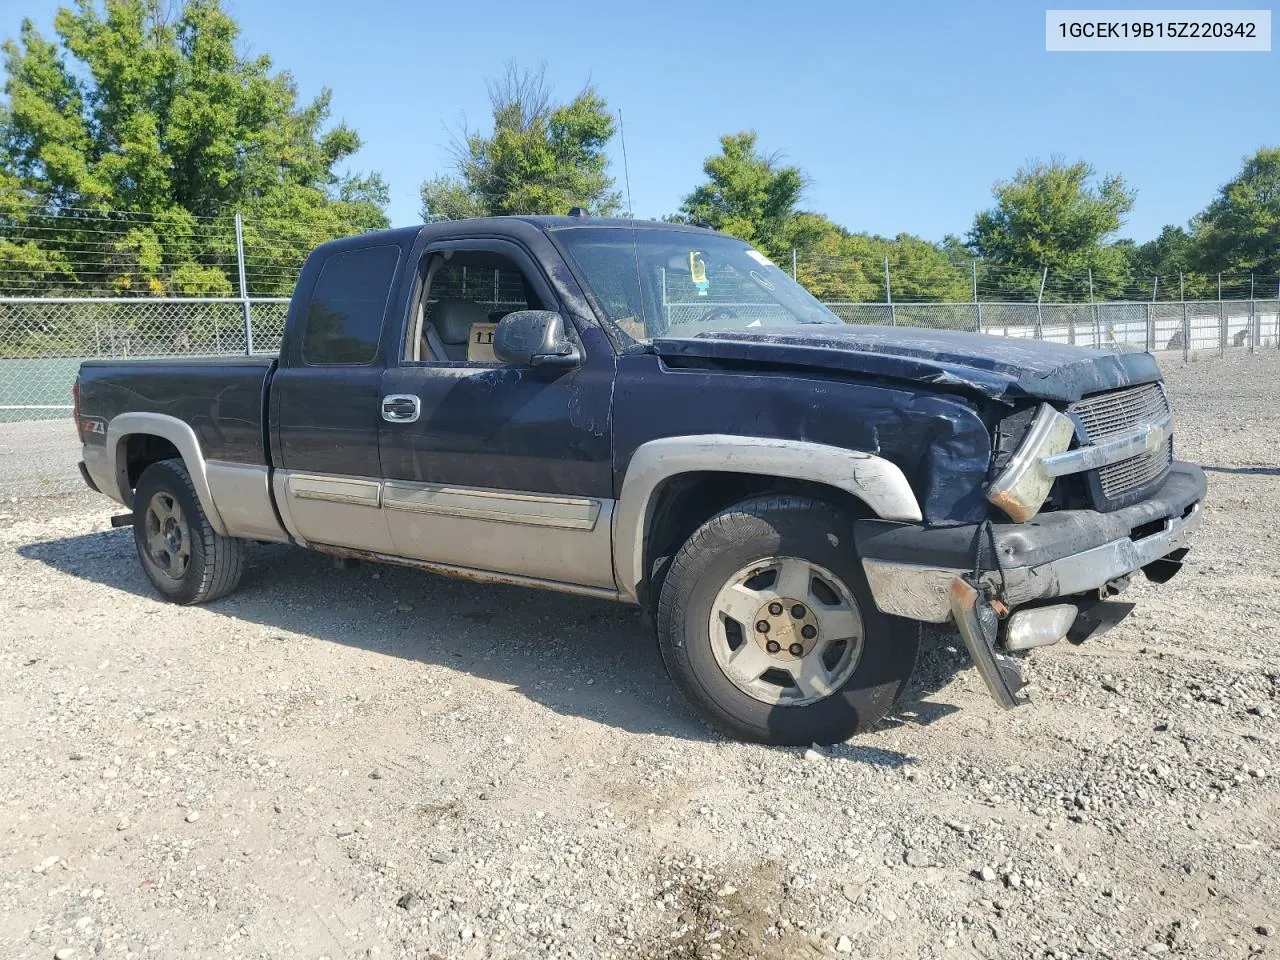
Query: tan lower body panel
(241, 493)
(477, 576)
(345, 511)
(567, 540)
(571, 554)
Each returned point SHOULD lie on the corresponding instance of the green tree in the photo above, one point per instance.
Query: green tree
(142, 116)
(1239, 232)
(752, 196)
(1173, 251)
(540, 157)
(1052, 215)
(844, 266)
(1173, 256)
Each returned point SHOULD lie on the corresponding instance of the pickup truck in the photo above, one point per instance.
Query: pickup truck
(657, 414)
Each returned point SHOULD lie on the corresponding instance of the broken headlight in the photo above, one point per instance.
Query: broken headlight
(1023, 484)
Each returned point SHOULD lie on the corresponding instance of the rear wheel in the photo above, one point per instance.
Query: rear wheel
(766, 623)
(183, 556)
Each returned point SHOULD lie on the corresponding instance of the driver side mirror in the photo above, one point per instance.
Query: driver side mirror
(534, 338)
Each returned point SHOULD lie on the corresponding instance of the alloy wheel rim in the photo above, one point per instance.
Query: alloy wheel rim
(168, 536)
(786, 631)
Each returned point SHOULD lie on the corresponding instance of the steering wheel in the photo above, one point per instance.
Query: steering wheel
(714, 313)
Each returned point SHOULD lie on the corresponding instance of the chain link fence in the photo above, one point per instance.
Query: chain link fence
(44, 340)
(78, 285)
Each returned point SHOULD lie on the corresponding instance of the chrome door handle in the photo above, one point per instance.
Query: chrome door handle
(401, 408)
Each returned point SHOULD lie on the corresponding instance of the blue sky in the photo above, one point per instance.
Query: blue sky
(902, 114)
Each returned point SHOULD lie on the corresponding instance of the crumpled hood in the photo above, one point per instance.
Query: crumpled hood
(1002, 368)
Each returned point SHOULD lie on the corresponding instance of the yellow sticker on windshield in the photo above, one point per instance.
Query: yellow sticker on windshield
(698, 272)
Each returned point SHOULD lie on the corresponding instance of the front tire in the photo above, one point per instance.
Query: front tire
(183, 556)
(767, 625)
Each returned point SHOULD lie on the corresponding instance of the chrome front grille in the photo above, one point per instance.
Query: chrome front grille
(1109, 414)
(1135, 472)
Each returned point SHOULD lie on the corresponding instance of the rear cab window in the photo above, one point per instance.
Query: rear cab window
(343, 324)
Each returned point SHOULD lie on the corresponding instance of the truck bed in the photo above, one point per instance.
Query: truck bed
(222, 398)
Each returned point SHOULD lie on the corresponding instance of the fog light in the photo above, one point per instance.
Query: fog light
(1039, 626)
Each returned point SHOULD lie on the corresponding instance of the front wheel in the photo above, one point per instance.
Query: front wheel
(766, 623)
(184, 557)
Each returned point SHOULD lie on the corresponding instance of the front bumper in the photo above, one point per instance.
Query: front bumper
(928, 574)
(910, 568)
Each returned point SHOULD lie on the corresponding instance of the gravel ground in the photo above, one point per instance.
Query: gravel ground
(380, 763)
(39, 457)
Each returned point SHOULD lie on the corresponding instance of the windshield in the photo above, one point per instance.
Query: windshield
(680, 283)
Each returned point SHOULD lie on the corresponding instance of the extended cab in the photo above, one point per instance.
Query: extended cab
(659, 415)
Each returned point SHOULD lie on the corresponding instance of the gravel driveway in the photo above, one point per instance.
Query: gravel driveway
(376, 762)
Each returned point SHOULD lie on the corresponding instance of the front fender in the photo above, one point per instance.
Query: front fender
(876, 481)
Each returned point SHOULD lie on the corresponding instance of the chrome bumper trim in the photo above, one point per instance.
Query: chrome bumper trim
(1094, 568)
(922, 592)
(911, 590)
(979, 626)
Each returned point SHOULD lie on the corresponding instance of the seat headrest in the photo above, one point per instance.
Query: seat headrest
(453, 319)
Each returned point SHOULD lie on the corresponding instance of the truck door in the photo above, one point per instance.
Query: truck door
(324, 400)
(489, 466)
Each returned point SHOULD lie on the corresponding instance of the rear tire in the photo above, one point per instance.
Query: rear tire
(183, 556)
(767, 625)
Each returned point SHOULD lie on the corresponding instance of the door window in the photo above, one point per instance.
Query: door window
(464, 293)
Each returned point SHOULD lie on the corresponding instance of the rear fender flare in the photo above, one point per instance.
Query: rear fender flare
(874, 480)
(177, 432)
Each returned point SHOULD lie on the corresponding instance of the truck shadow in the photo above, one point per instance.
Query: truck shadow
(1246, 471)
(577, 656)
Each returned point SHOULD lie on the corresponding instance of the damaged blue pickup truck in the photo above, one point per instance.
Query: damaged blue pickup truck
(657, 414)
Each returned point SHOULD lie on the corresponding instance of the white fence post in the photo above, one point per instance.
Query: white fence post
(1039, 305)
(977, 304)
(1096, 311)
(1222, 322)
(888, 295)
(1151, 322)
(1253, 319)
(1186, 323)
(244, 288)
